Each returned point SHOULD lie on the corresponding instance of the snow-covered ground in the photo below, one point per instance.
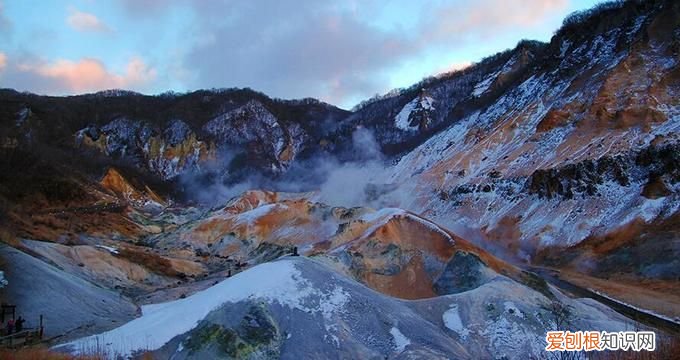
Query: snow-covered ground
(316, 310)
(66, 301)
(402, 120)
(277, 282)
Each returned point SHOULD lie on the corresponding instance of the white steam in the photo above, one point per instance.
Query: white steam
(362, 181)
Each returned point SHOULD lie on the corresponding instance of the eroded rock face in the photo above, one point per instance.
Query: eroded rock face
(416, 114)
(174, 148)
(655, 188)
(390, 250)
(120, 186)
(465, 271)
(167, 153)
(254, 126)
(651, 166)
(581, 178)
(255, 336)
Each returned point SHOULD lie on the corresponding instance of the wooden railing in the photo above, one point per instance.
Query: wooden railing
(21, 338)
(27, 336)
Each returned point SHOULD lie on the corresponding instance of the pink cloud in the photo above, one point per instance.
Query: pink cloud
(487, 17)
(456, 66)
(88, 75)
(85, 22)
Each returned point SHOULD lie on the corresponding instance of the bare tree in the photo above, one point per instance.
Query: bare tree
(560, 316)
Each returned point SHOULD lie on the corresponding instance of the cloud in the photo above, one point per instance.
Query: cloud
(146, 7)
(483, 18)
(86, 22)
(322, 50)
(456, 66)
(305, 50)
(3, 61)
(338, 52)
(69, 77)
(5, 23)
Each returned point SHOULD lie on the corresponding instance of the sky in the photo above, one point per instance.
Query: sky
(341, 52)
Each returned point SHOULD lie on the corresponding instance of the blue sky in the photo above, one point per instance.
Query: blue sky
(341, 52)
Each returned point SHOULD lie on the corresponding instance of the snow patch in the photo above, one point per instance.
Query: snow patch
(651, 208)
(110, 249)
(512, 309)
(453, 321)
(22, 115)
(508, 338)
(402, 118)
(400, 341)
(483, 85)
(564, 47)
(249, 217)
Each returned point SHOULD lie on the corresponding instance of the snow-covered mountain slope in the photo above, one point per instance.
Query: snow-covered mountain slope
(573, 151)
(297, 307)
(70, 305)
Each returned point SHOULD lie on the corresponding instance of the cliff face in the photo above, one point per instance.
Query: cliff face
(253, 126)
(174, 149)
(167, 153)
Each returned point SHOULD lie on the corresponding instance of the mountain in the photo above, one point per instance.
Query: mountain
(169, 134)
(580, 153)
(461, 217)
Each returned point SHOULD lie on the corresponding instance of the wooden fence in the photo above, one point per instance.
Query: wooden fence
(27, 336)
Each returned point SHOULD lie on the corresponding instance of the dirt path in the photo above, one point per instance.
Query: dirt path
(642, 316)
(109, 207)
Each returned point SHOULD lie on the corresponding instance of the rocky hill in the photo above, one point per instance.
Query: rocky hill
(295, 307)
